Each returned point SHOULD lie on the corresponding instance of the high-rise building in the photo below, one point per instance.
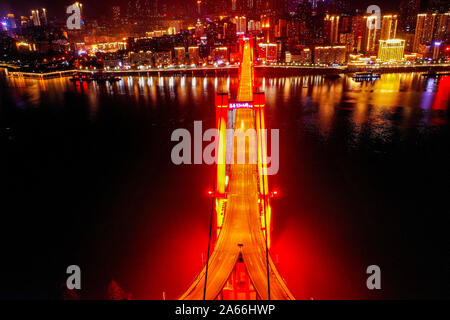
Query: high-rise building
(347, 40)
(35, 17)
(431, 27)
(391, 50)
(346, 24)
(229, 30)
(408, 13)
(43, 16)
(116, 14)
(425, 22)
(331, 28)
(370, 35)
(180, 54)
(253, 25)
(268, 51)
(80, 6)
(154, 8)
(388, 27)
(409, 40)
(194, 56)
(442, 30)
(233, 5)
(267, 28)
(281, 29)
(241, 24)
(299, 55)
(329, 54)
(358, 26)
(219, 54)
(139, 10)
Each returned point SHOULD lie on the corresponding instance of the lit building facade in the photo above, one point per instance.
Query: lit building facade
(391, 50)
(303, 56)
(267, 52)
(388, 27)
(431, 28)
(180, 54)
(347, 40)
(35, 17)
(331, 28)
(357, 29)
(241, 24)
(219, 53)
(371, 35)
(329, 54)
(424, 29)
(112, 46)
(194, 54)
(442, 31)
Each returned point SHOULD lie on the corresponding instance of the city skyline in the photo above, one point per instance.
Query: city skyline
(57, 8)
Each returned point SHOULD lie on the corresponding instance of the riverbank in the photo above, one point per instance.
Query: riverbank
(273, 71)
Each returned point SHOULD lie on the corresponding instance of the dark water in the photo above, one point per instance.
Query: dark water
(86, 179)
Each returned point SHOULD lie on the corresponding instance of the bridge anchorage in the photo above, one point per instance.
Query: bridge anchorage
(240, 266)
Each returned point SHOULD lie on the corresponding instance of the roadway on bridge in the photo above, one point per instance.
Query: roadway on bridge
(241, 232)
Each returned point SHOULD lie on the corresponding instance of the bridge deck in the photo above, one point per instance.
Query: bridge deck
(241, 232)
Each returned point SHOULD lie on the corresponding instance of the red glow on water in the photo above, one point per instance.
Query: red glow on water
(441, 98)
(314, 265)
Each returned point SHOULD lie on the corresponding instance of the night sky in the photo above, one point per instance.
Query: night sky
(95, 8)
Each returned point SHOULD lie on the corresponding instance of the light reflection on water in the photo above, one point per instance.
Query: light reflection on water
(340, 111)
(410, 99)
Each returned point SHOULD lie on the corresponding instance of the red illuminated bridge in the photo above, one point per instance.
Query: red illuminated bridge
(240, 266)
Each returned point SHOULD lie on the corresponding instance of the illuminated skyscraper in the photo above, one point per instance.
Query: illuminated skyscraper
(370, 35)
(424, 29)
(241, 24)
(331, 27)
(329, 54)
(388, 27)
(194, 55)
(35, 17)
(233, 5)
(180, 54)
(442, 30)
(267, 52)
(267, 27)
(43, 16)
(357, 29)
(79, 5)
